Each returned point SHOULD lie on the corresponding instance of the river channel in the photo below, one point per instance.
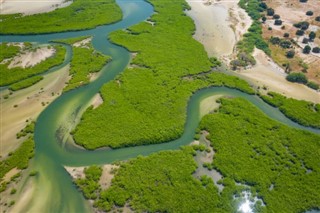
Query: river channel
(54, 190)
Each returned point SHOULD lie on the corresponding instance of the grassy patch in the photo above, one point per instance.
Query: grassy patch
(302, 112)
(19, 158)
(147, 103)
(8, 51)
(25, 83)
(80, 15)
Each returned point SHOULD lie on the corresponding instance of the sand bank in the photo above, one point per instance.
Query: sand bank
(32, 58)
(27, 104)
(209, 104)
(212, 26)
(96, 101)
(267, 73)
(105, 179)
(28, 7)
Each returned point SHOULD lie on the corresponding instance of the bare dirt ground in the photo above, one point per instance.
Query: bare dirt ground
(28, 7)
(31, 58)
(292, 12)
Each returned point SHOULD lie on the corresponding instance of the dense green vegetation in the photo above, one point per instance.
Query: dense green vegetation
(281, 164)
(302, 78)
(85, 61)
(147, 103)
(80, 15)
(25, 83)
(8, 51)
(19, 158)
(300, 111)
(16, 74)
(90, 184)
(253, 38)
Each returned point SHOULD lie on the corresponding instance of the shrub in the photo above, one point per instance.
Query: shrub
(270, 12)
(306, 49)
(297, 77)
(290, 54)
(285, 44)
(316, 50)
(300, 33)
(286, 35)
(313, 85)
(277, 22)
(276, 16)
(309, 13)
(303, 1)
(317, 18)
(312, 35)
(263, 18)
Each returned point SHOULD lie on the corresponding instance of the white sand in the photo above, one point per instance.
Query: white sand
(29, 7)
(32, 58)
(96, 101)
(29, 101)
(83, 43)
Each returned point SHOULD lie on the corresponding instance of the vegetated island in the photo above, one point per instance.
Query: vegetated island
(150, 97)
(20, 64)
(85, 61)
(80, 15)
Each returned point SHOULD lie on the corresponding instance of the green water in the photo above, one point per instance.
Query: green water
(54, 189)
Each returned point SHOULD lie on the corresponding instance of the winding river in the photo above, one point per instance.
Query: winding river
(54, 191)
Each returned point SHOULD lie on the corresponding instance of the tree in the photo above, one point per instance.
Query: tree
(286, 35)
(276, 16)
(312, 35)
(290, 54)
(270, 12)
(277, 22)
(318, 18)
(306, 49)
(264, 19)
(309, 13)
(297, 77)
(299, 32)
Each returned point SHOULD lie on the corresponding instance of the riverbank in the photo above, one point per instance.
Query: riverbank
(265, 73)
(26, 105)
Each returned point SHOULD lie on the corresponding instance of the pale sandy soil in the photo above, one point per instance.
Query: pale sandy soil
(107, 175)
(10, 174)
(29, 7)
(96, 101)
(29, 105)
(31, 58)
(209, 104)
(212, 26)
(105, 179)
(24, 198)
(267, 73)
(83, 43)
